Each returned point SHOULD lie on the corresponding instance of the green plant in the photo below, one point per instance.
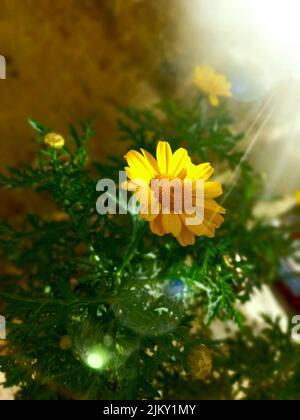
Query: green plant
(99, 308)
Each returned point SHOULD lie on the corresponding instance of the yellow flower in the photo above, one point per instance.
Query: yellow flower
(297, 196)
(143, 170)
(214, 84)
(54, 140)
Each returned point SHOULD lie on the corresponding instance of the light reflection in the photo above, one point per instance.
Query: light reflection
(256, 43)
(278, 22)
(96, 358)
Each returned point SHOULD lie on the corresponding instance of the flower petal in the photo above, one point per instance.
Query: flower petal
(172, 224)
(214, 84)
(203, 171)
(151, 162)
(213, 219)
(163, 155)
(139, 167)
(150, 207)
(212, 190)
(148, 217)
(202, 230)
(133, 185)
(214, 100)
(214, 206)
(209, 230)
(180, 162)
(186, 237)
(156, 226)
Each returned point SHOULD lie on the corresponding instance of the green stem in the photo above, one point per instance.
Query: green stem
(138, 233)
(53, 159)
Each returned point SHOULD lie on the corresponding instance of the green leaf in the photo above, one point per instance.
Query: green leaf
(42, 130)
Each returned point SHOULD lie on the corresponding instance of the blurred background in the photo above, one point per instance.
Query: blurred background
(68, 60)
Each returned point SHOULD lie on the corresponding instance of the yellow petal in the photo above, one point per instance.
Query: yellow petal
(213, 206)
(209, 230)
(133, 185)
(148, 217)
(150, 161)
(212, 190)
(137, 175)
(139, 167)
(180, 162)
(214, 84)
(163, 155)
(150, 207)
(206, 227)
(214, 100)
(203, 171)
(156, 226)
(172, 224)
(186, 237)
(213, 219)
(202, 230)
(131, 173)
(196, 220)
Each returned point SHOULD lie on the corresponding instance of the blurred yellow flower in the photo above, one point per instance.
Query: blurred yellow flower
(297, 196)
(176, 167)
(214, 84)
(54, 140)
